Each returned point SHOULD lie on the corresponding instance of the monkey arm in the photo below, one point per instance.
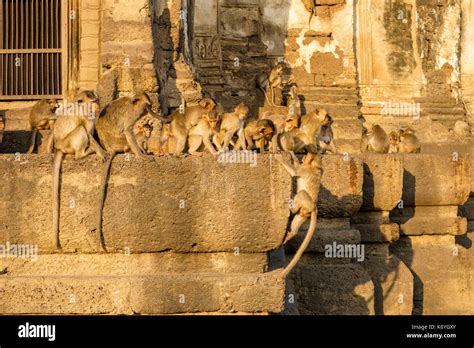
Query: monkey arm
(32, 141)
(50, 142)
(289, 168)
(207, 143)
(242, 138)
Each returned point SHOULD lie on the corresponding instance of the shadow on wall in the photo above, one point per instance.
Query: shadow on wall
(403, 248)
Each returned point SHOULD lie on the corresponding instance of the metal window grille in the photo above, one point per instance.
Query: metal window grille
(32, 55)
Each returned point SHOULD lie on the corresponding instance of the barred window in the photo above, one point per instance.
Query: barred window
(33, 34)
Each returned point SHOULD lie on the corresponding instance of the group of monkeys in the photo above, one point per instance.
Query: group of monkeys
(195, 128)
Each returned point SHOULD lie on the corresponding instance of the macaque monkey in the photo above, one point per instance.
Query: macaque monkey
(305, 136)
(143, 136)
(73, 135)
(325, 138)
(257, 133)
(115, 129)
(231, 124)
(203, 132)
(288, 142)
(408, 141)
(374, 140)
(275, 80)
(293, 99)
(394, 140)
(42, 117)
(282, 123)
(308, 175)
(183, 120)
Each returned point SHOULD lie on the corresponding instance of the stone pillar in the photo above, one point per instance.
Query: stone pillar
(434, 187)
(89, 62)
(393, 282)
(467, 56)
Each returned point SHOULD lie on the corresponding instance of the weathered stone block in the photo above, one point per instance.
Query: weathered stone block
(186, 204)
(383, 180)
(340, 194)
(324, 289)
(435, 180)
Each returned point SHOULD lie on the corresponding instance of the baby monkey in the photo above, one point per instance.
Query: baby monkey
(325, 138)
(231, 124)
(203, 132)
(143, 136)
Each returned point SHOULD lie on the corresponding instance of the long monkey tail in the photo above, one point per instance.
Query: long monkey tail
(303, 246)
(102, 193)
(58, 159)
(266, 96)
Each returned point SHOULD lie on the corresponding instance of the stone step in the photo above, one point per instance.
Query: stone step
(335, 110)
(129, 293)
(328, 90)
(332, 289)
(443, 110)
(330, 99)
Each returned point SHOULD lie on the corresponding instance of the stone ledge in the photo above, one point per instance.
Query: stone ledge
(84, 265)
(157, 294)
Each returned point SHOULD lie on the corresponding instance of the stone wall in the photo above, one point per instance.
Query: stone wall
(181, 245)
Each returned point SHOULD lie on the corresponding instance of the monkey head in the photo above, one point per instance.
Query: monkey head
(320, 114)
(291, 122)
(404, 131)
(90, 98)
(394, 138)
(266, 128)
(147, 130)
(141, 103)
(279, 67)
(212, 118)
(327, 121)
(208, 104)
(242, 111)
(312, 158)
(52, 104)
